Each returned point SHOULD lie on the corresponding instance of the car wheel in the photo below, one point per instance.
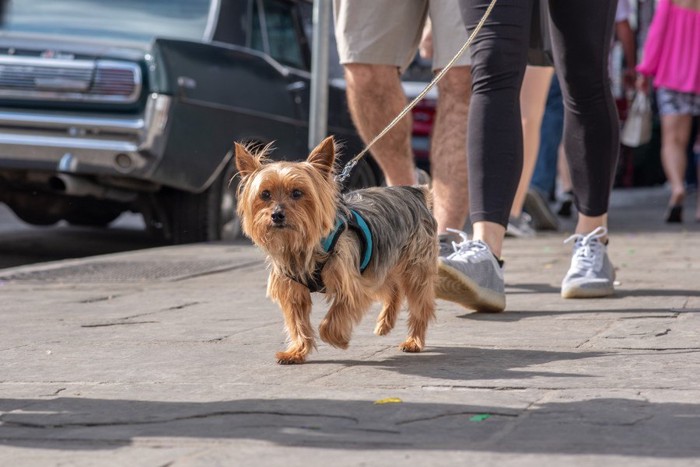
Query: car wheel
(203, 217)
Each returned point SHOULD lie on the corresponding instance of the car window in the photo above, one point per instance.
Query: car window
(277, 27)
(134, 20)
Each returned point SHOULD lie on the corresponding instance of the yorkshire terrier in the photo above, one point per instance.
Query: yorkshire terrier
(366, 245)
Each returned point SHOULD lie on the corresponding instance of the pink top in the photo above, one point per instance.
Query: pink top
(672, 48)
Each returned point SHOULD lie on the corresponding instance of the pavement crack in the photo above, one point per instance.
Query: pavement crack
(663, 333)
(121, 323)
(55, 393)
(223, 413)
(608, 326)
(180, 307)
(99, 299)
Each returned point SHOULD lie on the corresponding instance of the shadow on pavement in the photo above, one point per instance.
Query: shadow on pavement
(616, 426)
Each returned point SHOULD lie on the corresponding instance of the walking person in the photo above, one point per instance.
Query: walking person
(581, 34)
(377, 39)
(672, 58)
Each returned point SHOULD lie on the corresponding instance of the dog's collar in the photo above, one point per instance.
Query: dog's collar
(352, 221)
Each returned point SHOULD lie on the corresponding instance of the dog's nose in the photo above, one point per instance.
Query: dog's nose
(278, 216)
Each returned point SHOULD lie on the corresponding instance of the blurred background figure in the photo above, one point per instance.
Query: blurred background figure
(672, 59)
(533, 96)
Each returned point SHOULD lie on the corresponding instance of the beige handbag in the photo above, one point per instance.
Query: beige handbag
(637, 128)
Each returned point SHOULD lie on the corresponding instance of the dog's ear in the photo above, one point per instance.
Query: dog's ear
(323, 156)
(246, 163)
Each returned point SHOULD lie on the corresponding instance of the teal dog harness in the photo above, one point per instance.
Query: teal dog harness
(354, 222)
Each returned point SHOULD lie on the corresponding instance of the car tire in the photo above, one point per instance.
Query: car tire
(203, 217)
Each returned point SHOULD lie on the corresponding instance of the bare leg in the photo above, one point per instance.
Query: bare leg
(533, 97)
(696, 149)
(564, 174)
(375, 97)
(448, 159)
(492, 234)
(675, 134)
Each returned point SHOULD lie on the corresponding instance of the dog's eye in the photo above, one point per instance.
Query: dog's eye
(296, 194)
(265, 195)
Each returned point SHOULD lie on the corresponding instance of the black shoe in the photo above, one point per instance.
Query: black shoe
(537, 207)
(567, 203)
(675, 214)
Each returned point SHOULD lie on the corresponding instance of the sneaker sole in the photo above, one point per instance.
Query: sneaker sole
(454, 286)
(575, 292)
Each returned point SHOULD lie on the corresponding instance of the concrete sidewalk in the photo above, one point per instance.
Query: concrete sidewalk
(166, 357)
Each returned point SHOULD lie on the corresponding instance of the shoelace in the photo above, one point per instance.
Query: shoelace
(467, 249)
(588, 247)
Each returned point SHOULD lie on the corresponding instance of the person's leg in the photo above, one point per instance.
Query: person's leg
(565, 194)
(375, 97)
(448, 154)
(472, 276)
(565, 184)
(545, 173)
(495, 144)
(675, 135)
(696, 153)
(581, 37)
(376, 40)
(532, 99)
(538, 215)
(582, 34)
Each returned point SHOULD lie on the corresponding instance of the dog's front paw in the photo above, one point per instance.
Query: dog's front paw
(290, 358)
(331, 335)
(411, 346)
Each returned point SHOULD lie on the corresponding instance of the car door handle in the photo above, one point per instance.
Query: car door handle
(186, 82)
(296, 86)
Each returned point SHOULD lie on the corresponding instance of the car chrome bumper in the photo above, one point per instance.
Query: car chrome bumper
(84, 144)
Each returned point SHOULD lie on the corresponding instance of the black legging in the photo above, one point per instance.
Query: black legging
(581, 35)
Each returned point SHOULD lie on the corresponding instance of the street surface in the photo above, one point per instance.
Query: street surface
(21, 243)
(165, 357)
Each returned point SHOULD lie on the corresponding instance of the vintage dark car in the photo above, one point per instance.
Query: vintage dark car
(133, 105)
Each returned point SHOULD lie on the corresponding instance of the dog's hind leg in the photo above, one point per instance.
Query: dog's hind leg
(420, 293)
(391, 297)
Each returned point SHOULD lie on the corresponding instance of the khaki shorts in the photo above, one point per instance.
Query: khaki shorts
(387, 32)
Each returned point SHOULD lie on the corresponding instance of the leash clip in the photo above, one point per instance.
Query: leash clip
(340, 178)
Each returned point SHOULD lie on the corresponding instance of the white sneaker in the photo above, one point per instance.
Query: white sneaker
(471, 276)
(591, 273)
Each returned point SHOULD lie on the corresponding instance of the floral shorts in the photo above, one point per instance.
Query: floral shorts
(677, 103)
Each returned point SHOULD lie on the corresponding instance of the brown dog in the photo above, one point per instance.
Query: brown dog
(367, 245)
